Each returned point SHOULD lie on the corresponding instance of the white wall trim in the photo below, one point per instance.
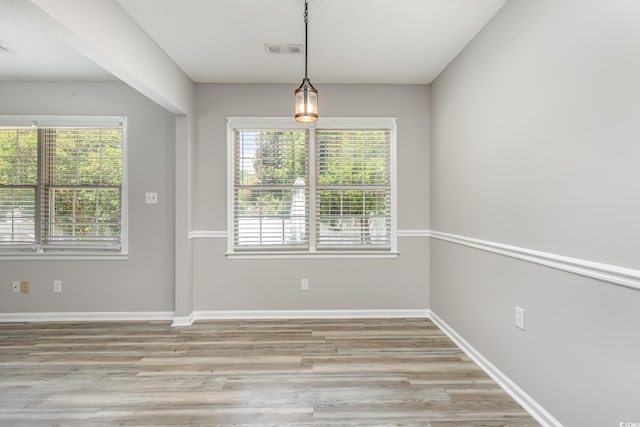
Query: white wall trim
(212, 234)
(63, 257)
(414, 233)
(312, 255)
(614, 274)
(213, 315)
(184, 321)
(312, 314)
(87, 316)
(519, 395)
(222, 234)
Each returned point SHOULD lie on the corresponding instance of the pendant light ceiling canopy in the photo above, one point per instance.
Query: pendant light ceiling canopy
(306, 94)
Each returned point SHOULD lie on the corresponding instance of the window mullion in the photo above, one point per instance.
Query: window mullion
(40, 189)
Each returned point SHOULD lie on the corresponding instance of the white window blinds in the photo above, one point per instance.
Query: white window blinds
(353, 197)
(271, 189)
(61, 185)
(327, 188)
(82, 187)
(18, 185)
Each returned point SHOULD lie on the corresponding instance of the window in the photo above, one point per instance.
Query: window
(270, 189)
(61, 185)
(298, 189)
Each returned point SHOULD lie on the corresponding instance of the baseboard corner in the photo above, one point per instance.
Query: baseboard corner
(181, 321)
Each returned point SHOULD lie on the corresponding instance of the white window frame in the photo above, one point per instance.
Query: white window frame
(37, 252)
(287, 123)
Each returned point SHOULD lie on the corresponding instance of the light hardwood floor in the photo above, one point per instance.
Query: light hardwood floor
(391, 372)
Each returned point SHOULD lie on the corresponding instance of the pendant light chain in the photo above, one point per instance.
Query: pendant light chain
(306, 102)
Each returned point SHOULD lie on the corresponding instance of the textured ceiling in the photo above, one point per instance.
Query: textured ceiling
(28, 52)
(350, 41)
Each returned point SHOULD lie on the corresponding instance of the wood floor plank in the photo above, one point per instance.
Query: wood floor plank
(363, 372)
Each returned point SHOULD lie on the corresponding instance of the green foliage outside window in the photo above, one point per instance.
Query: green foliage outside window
(352, 175)
(273, 158)
(18, 156)
(79, 182)
(85, 172)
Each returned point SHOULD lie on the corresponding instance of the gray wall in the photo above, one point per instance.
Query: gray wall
(243, 284)
(535, 143)
(144, 282)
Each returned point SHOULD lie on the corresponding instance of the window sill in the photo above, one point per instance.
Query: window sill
(63, 257)
(312, 255)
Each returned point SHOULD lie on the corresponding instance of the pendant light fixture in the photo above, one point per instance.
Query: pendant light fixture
(306, 94)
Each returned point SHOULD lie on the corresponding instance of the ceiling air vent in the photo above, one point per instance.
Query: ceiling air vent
(283, 49)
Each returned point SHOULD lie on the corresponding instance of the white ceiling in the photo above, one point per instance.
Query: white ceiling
(27, 52)
(350, 41)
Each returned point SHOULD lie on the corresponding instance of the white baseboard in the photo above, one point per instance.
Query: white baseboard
(210, 315)
(527, 402)
(310, 314)
(87, 316)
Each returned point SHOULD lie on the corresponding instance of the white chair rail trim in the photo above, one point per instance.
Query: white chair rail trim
(613, 274)
(204, 234)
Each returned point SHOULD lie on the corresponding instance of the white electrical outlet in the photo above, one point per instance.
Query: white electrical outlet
(57, 286)
(520, 318)
(304, 284)
(15, 286)
(151, 198)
